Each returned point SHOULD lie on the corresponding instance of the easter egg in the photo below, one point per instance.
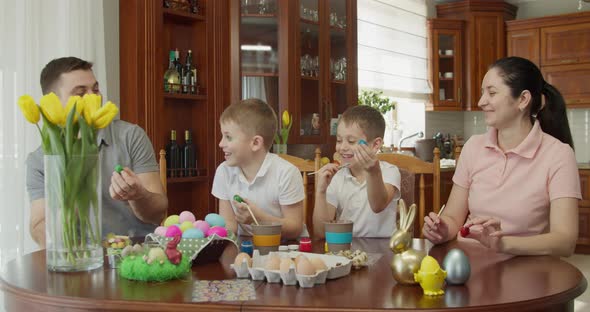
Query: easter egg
(172, 231)
(186, 216)
(160, 231)
(218, 230)
(285, 265)
(305, 267)
(456, 263)
(201, 225)
(241, 257)
(172, 219)
(215, 220)
(193, 233)
(186, 225)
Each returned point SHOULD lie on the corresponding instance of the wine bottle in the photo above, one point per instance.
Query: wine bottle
(173, 156)
(171, 76)
(188, 76)
(179, 67)
(189, 156)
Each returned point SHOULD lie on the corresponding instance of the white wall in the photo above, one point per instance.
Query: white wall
(539, 8)
(111, 37)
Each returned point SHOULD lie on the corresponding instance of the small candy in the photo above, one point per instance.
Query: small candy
(362, 142)
(238, 198)
(118, 168)
(464, 231)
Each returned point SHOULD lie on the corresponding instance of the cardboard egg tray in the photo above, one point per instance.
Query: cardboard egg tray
(338, 266)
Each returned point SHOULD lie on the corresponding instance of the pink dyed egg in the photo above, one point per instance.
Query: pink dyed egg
(220, 231)
(186, 216)
(160, 231)
(202, 225)
(173, 230)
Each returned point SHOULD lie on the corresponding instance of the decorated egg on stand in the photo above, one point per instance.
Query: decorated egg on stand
(457, 265)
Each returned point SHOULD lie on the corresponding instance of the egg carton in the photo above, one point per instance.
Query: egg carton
(338, 266)
(200, 250)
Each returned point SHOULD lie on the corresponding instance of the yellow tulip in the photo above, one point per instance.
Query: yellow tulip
(91, 105)
(79, 106)
(286, 119)
(53, 110)
(29, 108)
(104, 115)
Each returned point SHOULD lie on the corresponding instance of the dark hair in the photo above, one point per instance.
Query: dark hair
(520, 74)
(254, 117)
(53, 70)
(367, 118)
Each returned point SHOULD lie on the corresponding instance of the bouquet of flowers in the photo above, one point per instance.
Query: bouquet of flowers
(72, 175)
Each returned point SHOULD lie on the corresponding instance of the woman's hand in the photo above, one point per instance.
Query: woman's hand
(487, 230)
(435, 228)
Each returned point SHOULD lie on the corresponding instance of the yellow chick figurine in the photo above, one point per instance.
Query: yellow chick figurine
(431, 277)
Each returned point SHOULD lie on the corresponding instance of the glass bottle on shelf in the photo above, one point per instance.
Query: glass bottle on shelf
(188, 78)
(189, 156)
(178, 65)
(171, 76)
(173, 156)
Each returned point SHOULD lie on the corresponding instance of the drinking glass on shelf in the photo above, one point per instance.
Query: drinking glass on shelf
(262, 7)
(245, 4)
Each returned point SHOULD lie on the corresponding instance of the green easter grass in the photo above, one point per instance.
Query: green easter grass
(135, 268)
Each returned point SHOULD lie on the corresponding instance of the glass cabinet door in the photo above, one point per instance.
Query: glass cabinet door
(259, 63)
(339, 82)
(448, 78)
(311, 115)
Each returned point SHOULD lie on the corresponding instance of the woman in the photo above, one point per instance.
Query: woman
(518, 182)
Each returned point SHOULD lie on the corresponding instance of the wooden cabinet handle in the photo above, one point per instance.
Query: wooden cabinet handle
(459, 95)
(568, 61)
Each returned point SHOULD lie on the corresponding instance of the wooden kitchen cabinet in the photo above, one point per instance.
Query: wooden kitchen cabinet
(445, 66)
(562, 51)
(583, 245)
(485, 39)
(525, 43)
(306, 62)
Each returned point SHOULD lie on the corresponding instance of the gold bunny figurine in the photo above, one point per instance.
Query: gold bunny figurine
(406, 260)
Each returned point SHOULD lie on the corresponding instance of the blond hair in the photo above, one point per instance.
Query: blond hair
(254, 117)
(367, 119)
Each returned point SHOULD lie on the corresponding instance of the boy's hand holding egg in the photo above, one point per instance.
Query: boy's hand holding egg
(245, 210)
(365, 156)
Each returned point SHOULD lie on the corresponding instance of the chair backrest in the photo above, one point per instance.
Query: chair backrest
(163, 170)
(457, 154)
(419, 167)
(305, 167)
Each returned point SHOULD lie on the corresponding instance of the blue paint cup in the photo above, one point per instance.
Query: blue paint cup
(338, 235)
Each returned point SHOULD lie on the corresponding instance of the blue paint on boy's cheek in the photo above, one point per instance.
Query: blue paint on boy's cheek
(362, 142)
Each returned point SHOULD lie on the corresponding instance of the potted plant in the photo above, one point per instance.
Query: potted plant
(376, 100)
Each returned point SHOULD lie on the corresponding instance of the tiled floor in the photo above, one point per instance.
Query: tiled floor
(582, 262)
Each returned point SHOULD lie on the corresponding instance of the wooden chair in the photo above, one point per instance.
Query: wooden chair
(419, 167)
(163, 170)
(305, 167)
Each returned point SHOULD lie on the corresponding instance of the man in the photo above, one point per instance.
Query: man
(133, 201)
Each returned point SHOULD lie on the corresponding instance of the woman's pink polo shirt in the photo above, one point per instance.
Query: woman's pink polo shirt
(518, 185)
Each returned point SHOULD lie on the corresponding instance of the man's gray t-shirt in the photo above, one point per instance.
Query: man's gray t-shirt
(121, 143)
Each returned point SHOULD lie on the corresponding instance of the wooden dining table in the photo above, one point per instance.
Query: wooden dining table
(497, 283)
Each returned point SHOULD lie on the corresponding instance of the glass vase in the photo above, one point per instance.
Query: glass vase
(279, 148)
(73, 213)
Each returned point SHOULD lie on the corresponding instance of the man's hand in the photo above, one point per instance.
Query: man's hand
(126, 186)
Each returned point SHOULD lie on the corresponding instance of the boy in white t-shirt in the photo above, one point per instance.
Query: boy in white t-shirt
(366, 192)
(271, 186)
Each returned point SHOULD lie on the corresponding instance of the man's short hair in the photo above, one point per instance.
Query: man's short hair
(254, 117)
(368, 119)
(51, 74)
